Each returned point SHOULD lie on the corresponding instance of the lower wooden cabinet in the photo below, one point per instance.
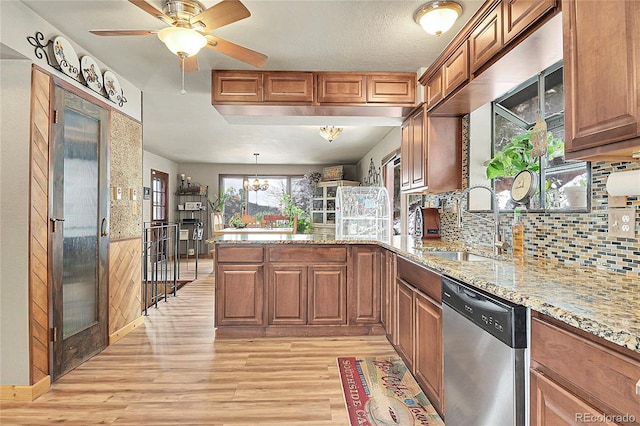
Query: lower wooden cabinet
(427, 361)
(239, 295)
(577, 377)
(301, 295)
(553, 405)
(364, 285)
(419, 328)
(298, 290)
(327, 295)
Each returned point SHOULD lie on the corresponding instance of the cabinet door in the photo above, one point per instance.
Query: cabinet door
(552, 405)
(444, 154)
(364, 285)
(405, 155)
(341, 88)
(396, 88)
(428, 348)
(285, 87)
(239, 295)
(405, 314)
(434, 89)
(455, 70)
(418, 149)
(327, 294)
(236, 86)
(518, 15)
(602, 74)
(486, 40)
(287, 294)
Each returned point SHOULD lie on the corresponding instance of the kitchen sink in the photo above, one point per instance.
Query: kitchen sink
(463, 256)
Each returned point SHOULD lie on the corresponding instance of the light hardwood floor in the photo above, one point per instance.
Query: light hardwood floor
(173, 371)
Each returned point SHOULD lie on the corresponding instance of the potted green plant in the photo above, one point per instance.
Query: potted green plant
(516, 155)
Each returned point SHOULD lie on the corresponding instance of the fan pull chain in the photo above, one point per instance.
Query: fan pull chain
(182, 92)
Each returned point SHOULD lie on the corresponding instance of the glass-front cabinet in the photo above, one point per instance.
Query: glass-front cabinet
(323, 212)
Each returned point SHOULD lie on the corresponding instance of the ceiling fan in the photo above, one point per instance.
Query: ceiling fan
(190, 27)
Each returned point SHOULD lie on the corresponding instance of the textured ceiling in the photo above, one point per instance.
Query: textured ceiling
(306, 35)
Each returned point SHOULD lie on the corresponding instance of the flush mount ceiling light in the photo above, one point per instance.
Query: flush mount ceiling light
(330, 133)
(183, 42)
(437, 17)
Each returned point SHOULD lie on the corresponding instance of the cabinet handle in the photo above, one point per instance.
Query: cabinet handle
(103, 227)
(54, 223)
(638, 388)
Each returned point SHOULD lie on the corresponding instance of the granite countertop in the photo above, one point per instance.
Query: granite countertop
(603, 303)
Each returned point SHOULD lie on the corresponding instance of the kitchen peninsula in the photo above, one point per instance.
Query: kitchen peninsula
(585, 323)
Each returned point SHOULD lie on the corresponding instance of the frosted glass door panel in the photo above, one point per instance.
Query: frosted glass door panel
(80, 244)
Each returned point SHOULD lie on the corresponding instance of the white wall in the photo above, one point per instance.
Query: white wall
(15, 86)
(390, 143)
(155, 162)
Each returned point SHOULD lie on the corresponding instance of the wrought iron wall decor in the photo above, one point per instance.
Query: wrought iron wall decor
(47, 51)
(373, 177)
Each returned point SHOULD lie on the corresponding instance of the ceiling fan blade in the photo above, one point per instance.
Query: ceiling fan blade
(223, 13)
(142, 4)
(190, 63)
(236, 51)
(124, 32)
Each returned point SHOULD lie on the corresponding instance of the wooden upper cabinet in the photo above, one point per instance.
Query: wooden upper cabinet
(288, 87)
(602, 79)
(405, 154)
(395, 88)
(518, 15)
(434, 92)
(455, 70)
(486, 40)
(341, 88)
(236, 86)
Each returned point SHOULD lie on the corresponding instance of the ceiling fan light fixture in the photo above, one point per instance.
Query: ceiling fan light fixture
(438, 17)
(330, 133)
(182, 41)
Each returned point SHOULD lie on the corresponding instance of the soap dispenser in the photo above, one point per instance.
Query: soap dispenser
(517, 232)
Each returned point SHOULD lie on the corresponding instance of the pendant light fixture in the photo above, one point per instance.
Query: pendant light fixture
(256, 185)
(330, 133)
(437, 17)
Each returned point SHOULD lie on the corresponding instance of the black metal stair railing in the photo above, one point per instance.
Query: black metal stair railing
(160, 263)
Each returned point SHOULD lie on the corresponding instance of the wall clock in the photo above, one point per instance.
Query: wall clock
(524, 186)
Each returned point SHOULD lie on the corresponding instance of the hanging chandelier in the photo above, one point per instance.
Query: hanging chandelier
(256, 185)
(330, 133)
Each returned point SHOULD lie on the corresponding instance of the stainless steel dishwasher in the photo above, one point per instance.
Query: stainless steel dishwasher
(485, 358)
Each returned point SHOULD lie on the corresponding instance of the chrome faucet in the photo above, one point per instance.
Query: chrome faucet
(498, 245)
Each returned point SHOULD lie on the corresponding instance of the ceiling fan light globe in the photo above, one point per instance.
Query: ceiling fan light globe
(438, 17)
(182, 41)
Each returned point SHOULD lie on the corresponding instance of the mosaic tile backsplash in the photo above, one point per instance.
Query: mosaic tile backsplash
(579, 239)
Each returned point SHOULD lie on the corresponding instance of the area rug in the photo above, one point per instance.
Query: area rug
(382, 392)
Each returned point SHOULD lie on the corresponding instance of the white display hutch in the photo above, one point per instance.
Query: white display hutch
(363, 213)
(323, 210)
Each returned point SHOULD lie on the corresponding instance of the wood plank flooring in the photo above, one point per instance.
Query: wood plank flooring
(172, 371)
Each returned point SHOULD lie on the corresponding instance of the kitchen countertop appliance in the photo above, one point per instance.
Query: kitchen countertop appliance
(485, 358)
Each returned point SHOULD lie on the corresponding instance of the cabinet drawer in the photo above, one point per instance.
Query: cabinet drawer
(308, 254)
(392, 88)
(421, 278)
(342, 88)
(238, 254)
(236, 86)
(288, 87)
(598, 371)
